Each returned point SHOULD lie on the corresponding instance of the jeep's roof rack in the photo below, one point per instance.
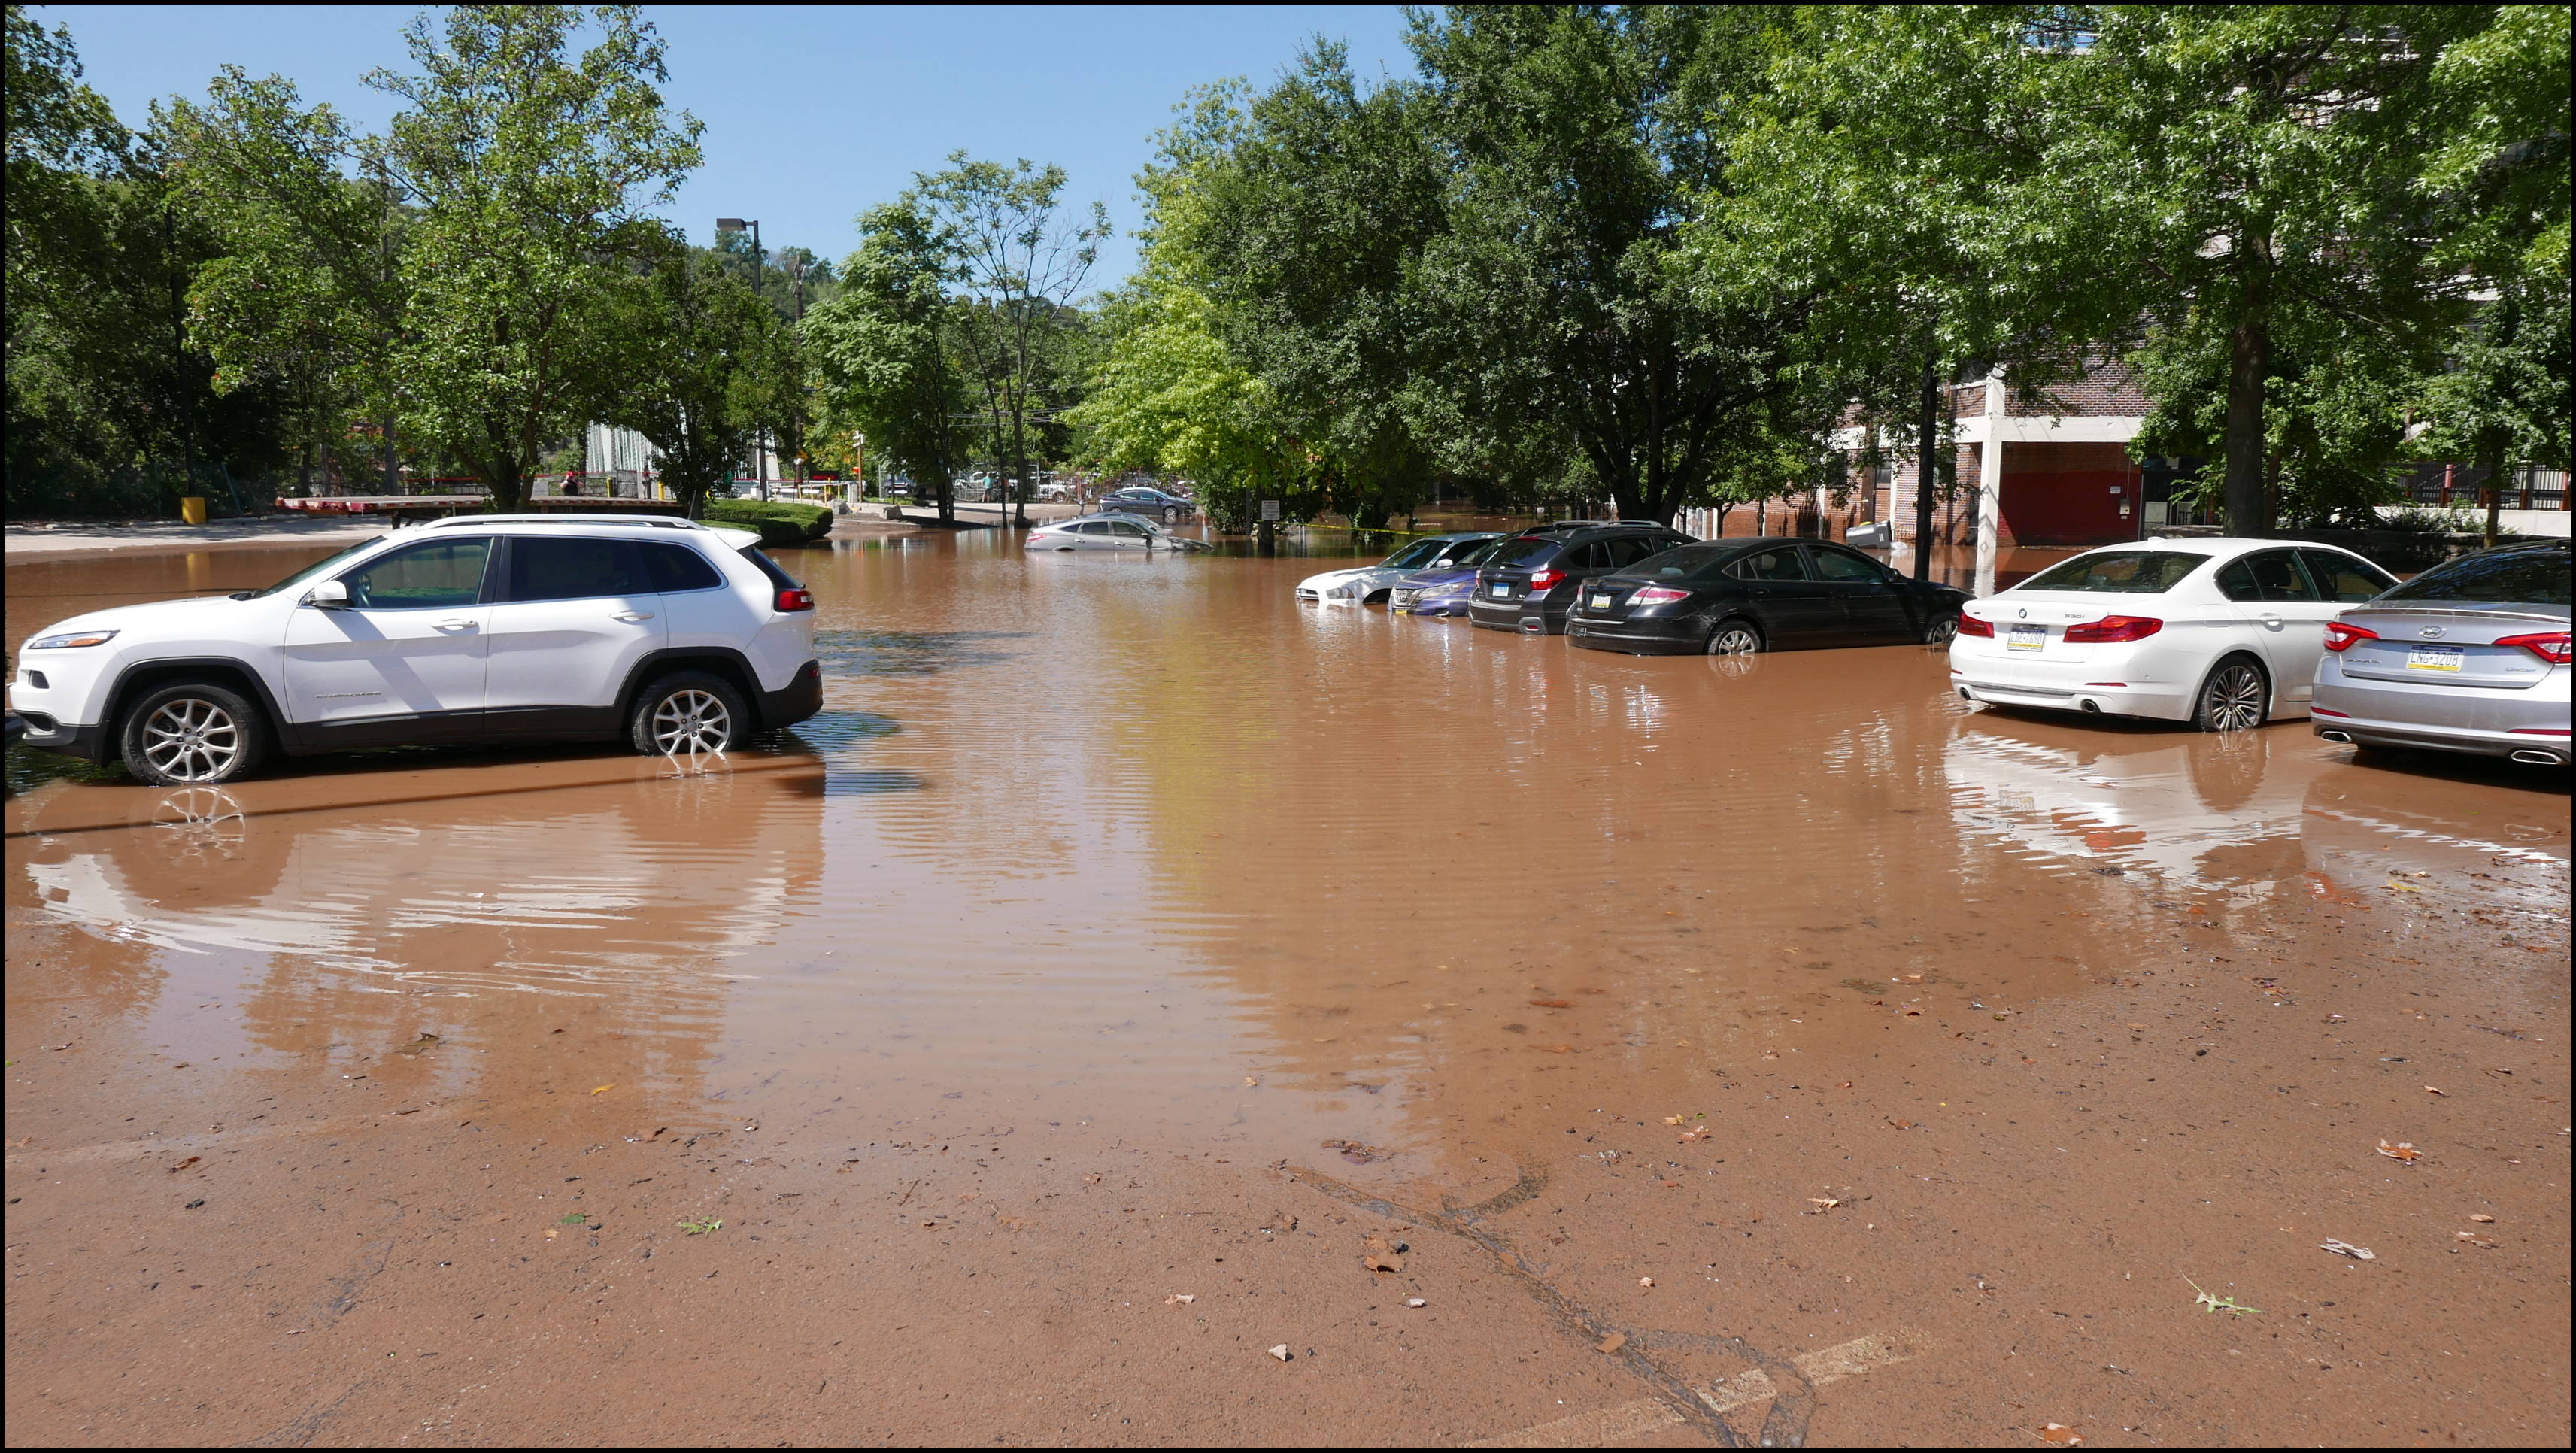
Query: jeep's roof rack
(650, 522)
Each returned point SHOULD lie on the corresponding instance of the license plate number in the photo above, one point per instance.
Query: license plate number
(1600, 602)
(2434, 658)
(1501, 588)
(2027, 638)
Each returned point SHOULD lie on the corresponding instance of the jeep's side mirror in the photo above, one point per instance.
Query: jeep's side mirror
(329, 595)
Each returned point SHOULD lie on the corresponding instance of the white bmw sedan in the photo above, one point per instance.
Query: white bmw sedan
(2224, 634)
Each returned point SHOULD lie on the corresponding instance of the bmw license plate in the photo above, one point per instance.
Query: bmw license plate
(1502, 587)
(2027, 638)
(2434, 658)
(1600, 602)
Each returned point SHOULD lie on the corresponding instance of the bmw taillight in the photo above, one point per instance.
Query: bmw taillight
(2342, 636)
(2115, 628)
(1971, 626)
(793, 600)
(1543, 581)
(2550, 646)
(1658, 595)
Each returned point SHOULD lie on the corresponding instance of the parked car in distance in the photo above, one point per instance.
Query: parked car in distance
(1145, 500)
(2222, 633)
(1107, 532)
(2470, 656)
(1530, 585)
(1360, 584)
(1731, 597)
(676, 636)
(1443, 587)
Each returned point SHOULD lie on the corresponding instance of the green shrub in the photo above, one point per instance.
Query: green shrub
(780, 522)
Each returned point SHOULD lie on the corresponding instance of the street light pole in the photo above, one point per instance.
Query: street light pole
(759, 450)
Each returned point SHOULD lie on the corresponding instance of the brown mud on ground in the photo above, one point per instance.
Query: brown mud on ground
(1757, 1050)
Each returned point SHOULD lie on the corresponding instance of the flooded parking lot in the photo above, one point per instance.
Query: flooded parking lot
(1753, 1047)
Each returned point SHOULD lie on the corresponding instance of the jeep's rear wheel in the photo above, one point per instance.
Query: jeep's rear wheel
(192, 734)
(687, 712)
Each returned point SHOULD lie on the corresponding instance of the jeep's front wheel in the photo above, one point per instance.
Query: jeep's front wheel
(688, 711)
(192, 734)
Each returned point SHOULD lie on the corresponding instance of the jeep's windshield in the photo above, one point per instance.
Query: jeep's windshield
(307, 573)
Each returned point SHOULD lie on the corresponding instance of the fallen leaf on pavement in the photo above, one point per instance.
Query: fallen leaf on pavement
(1179, 1299)
(2437, 1090)
(183, 1165)
(1376, 1262)
(2474, 1239)
(1091, 1180)
(2403, 1150)
(2060, 1433)
(2346, 1248)
(1823, 1203)
(1645, 1281)
(1280, 1351)
(1696, 1132)
(1415, 1302)
(603, 1089)
(2489, 1220)
(418, 1046)
(1553, 1003)
(1280, 1221)
(1896, 1123)
(1250, 1080)
(1614, 1341)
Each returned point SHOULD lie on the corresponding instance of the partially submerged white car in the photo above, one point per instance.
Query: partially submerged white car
(2222, 633)
(1361, 584)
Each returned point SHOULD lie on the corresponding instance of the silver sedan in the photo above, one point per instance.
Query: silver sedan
(2470, 656)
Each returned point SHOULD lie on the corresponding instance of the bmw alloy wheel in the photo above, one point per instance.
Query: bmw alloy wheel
(690, 720)
(191, 739)
(2233, 699)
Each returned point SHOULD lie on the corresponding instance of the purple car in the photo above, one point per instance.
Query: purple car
(1444, 591)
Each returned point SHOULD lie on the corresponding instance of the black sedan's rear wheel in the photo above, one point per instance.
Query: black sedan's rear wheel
(1737, 637)
(1943, 629)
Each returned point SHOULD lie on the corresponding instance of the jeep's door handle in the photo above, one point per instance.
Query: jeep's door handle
(456, 626)
(633, 616)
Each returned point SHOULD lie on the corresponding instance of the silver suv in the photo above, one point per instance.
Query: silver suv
(676, 636)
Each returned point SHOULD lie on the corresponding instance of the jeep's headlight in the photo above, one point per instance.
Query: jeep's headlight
(75, 638)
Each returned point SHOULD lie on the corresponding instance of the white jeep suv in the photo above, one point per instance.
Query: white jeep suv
(674, 635)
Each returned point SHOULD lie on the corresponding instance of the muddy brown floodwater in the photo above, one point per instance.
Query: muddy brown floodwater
(1768, 1049)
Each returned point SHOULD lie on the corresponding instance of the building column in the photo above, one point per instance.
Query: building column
(1990, 485)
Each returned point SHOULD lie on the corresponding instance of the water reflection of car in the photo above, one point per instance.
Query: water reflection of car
(1734, 597)
(2470, 656)
(2223, 633)
(1360, 584)
(1107, 532)
(1141, 499)
(1443, 588)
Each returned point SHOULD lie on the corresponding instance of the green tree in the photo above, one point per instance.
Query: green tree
(697, 341)
(529, 168)
(887, 351)
(1018, 255)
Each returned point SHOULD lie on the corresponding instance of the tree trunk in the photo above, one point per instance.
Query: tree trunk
(2243, 494)
(1927, 440)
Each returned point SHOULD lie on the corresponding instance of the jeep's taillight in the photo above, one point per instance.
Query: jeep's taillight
(793, 600)
(1971, 626)
(1658, 595)
(2115, 628)
(2341, 636)
(2550, 646)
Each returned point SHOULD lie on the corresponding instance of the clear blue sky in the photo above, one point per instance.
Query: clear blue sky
(813, 113)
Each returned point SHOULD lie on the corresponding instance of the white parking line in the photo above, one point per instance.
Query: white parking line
(1652, 1415)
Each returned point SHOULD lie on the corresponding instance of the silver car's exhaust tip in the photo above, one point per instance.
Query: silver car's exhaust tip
(2335, 736)
(2540, 759)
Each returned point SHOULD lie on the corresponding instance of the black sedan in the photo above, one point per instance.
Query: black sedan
(1729, 597)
